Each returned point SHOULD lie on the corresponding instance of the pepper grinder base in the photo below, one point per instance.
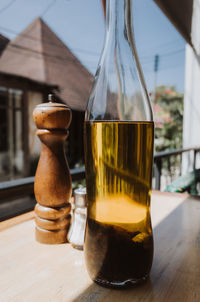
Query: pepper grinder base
(50, 237)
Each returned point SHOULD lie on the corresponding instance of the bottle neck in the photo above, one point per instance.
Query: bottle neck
(119, 20)
(119, 91)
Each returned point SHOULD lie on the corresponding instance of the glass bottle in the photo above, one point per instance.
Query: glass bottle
(119, 134)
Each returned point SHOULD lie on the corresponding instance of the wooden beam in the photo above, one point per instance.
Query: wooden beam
(16, 82)
(104, 7)
(25, 131)
(180, 15)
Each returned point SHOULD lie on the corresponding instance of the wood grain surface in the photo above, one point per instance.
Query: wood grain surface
(53, 185)
(31, 271)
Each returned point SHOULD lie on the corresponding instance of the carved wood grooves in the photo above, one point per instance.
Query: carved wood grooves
(52, 185)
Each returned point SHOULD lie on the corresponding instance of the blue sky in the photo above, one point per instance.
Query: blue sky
(80, 24)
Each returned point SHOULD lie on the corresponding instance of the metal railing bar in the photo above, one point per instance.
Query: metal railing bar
(167, 154)
(174, 152)
(10, 190)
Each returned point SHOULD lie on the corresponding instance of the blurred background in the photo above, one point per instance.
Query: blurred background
(55, 45)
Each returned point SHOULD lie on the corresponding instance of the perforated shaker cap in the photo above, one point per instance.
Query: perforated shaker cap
(80, 197)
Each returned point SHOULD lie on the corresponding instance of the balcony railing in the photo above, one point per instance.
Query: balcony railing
(17, 196)
(160, 157)
(13, 189)
(20, 188)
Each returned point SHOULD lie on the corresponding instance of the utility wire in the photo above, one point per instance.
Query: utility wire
(165, 45)
(173, 52)
(174, 66)
(48, 42)
(52, 3)
(38, 55)
(148, 59)
(60, 60)
(45, 54)
(7, 6)
(142, 58)
(41, 53)
(169, 54)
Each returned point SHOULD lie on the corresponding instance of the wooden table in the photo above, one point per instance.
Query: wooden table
(30, 271)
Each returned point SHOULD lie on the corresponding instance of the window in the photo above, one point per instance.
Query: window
(11, 145)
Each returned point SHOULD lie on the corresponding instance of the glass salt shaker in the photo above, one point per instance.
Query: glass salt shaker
(77, 229)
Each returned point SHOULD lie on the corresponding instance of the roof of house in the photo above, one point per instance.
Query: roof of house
(38, 54)
(3, 42)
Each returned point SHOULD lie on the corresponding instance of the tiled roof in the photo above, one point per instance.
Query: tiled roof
(3, 42)
(38, 54)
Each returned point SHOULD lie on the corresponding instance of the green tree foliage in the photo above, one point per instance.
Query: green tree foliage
(168, 116)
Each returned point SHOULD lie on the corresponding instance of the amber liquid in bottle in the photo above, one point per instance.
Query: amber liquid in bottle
(118, 240)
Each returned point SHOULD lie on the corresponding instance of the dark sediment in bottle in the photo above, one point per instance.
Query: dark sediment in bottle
(116, 256)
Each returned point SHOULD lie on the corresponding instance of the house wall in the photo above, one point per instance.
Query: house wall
(191, 123)
(74, 144)
(34, 98)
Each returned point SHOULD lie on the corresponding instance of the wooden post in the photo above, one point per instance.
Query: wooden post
(10, 136)
(194, 159)
(158, 168)
(52, 180)
(25, 131)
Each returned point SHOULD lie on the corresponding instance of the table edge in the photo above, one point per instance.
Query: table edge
(16, 220)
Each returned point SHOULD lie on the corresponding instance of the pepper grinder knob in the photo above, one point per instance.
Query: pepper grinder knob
(53, 186)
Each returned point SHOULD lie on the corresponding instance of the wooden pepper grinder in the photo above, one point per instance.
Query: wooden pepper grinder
(53, 185)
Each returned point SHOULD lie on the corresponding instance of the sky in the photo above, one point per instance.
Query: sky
(80, 25)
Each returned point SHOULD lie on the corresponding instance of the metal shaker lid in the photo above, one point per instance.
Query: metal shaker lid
(80, 197)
